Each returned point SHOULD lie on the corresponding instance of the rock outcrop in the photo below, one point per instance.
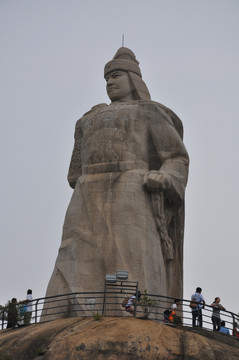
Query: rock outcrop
(114, 339)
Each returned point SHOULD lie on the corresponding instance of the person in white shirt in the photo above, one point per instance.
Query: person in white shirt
(197, 311)
(28, 313)
(129, 307)
(172, 313)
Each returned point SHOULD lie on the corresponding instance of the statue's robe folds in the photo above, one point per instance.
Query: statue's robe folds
(110, 223)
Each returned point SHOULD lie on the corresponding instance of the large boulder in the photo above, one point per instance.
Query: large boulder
(114, 339)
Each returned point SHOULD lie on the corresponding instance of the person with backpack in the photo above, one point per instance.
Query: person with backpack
(130, 305)
(170, 314)
(197, 304)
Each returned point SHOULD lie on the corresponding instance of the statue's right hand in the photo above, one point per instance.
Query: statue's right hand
(155, 182)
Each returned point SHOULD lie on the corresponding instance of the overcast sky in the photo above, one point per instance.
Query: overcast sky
(51, 72)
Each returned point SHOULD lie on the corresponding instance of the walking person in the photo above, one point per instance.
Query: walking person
(197, 299)
(216, 320)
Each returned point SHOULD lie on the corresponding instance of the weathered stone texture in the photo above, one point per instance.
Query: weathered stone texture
(113, 339)
(129, 172)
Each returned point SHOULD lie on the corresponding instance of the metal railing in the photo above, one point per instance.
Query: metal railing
(108, 303)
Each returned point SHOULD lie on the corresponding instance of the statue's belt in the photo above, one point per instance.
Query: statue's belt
(115, 167)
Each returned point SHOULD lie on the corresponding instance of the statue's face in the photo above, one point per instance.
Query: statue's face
(118, 86)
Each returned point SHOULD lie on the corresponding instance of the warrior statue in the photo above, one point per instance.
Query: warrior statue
(129, 171)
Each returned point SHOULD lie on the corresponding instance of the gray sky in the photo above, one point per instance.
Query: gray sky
(51, 68)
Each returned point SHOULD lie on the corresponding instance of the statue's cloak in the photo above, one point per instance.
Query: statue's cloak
(111, 222)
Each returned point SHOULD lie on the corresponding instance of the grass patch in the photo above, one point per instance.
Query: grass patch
(96, 316)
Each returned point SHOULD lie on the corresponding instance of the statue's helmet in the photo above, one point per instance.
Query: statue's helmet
(125, 60)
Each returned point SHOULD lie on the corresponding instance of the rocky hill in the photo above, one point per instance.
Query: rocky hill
(114, 339)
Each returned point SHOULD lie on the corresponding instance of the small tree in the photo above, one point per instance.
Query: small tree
(147, 303)
(96, 316)
(10, 313)
(3, 313)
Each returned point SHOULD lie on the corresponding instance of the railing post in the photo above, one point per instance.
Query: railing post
(136, 300)
(36, 311)
(104, 301)
(3, 319)
(233, 322)
(75, 311)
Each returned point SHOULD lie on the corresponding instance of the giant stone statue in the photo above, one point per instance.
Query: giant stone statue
(129, 171)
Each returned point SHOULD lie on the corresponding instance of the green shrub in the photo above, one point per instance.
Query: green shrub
(147, 303)
(96, 316)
